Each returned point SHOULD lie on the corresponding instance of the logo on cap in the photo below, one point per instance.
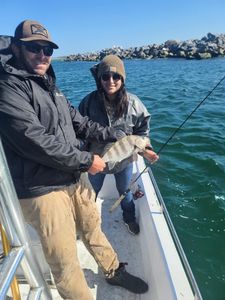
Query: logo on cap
(38, 29)
(112, 69)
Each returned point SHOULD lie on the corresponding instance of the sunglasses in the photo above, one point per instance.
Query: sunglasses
(114, 76)
(36, 48)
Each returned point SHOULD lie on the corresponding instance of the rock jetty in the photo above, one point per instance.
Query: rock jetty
(209, 46)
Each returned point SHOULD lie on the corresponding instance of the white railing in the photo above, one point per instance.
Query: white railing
(13, 224)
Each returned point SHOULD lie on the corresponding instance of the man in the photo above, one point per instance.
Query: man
(40, 132)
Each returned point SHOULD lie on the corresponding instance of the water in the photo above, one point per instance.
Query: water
(191, 169)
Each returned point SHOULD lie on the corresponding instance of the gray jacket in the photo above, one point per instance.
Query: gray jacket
(134, 121)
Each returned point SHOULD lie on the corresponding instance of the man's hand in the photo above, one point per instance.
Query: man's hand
(97, 166)
(151, 156)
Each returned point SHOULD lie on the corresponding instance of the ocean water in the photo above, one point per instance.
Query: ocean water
(191, 170)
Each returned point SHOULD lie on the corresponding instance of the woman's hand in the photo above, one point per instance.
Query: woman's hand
(151, 156)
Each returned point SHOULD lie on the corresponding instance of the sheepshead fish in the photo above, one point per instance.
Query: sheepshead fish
(123, 152)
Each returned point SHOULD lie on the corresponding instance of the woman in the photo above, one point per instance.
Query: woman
(112, 105)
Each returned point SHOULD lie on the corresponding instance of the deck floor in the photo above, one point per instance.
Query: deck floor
(127, 248)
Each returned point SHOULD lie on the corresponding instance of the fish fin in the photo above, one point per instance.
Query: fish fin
(111, 165)
(135, 156)
(106, 148)
(115, 167)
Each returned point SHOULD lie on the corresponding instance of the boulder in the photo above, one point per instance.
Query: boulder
(209, 46)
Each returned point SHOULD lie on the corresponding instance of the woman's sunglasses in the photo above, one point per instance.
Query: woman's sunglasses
(36, 48)
(114, 76)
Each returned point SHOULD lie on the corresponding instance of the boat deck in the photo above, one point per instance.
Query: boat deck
(126, 245)
(151, 255)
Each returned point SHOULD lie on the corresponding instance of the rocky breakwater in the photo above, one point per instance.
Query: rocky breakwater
(211, 45)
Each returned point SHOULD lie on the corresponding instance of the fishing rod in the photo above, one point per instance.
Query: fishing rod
(164, 145)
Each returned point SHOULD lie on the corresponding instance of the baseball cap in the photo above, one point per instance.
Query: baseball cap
(30, 30)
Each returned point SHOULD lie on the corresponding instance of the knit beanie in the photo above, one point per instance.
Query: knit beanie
(111, 63)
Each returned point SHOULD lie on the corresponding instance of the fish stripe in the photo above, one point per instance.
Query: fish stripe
(124, 148)
(119, 149)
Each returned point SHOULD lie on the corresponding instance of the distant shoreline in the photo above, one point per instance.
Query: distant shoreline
(209, 46)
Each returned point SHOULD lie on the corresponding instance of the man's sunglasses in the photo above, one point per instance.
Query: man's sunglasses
(114, 76)
(36, 48)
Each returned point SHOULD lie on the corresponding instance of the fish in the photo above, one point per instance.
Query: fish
(123, 152)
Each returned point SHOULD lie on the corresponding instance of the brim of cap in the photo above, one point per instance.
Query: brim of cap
(30, 39)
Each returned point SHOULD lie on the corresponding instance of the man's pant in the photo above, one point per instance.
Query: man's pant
(56, 216)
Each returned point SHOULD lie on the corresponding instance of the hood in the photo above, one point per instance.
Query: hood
(6, 60)
(94, 72)
(5, 50)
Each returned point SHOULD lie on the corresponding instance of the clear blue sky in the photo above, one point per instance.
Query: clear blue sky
(80, 26)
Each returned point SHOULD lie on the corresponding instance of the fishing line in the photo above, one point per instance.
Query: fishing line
(164, 145)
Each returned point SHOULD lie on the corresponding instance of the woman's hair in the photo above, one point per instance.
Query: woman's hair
(120, 103)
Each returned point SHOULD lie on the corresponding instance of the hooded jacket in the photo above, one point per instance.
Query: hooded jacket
(134, 121)
(40, 130)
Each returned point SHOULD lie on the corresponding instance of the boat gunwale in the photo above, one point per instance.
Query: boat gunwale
(176, 240)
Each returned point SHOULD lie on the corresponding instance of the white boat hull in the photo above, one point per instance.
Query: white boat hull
(160, 263)
(152, 255)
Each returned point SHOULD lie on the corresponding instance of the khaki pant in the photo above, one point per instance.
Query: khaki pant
(56, 216)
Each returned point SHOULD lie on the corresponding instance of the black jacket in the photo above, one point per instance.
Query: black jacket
(40, 130)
